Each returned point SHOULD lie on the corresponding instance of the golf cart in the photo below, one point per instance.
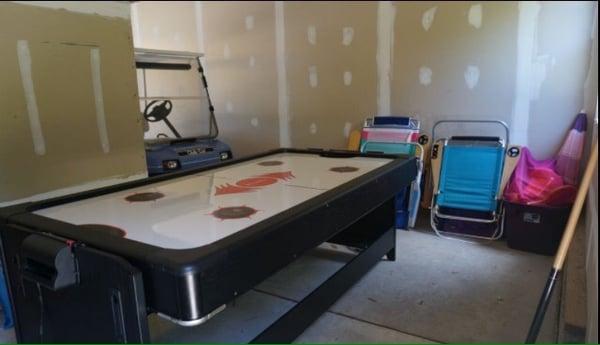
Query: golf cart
(180, 130)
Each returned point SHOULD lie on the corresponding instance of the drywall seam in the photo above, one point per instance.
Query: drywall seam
(594, 30)
(24, 57)
(115, 9)
(99, 99)
(198, 7)
(592, 70)
(226, 51)
(282, 90)
(135, 24)
(386, 14)
(539, 67)
(313, 77)
(526, 41)
(347, 129)
(76, 189)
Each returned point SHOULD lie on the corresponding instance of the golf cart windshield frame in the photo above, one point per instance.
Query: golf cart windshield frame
(175, 60)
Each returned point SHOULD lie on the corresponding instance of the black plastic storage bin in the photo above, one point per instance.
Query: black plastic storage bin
(536, 229)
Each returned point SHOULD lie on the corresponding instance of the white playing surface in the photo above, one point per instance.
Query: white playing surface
(184, 217)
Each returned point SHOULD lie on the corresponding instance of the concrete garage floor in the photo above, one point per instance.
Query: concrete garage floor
(438, 290)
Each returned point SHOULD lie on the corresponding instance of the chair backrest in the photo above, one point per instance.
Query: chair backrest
(470, 174)
(391, 148)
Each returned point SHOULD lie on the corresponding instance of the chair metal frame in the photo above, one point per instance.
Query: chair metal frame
(497, 215)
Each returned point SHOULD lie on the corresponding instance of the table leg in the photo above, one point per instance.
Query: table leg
(296, 320)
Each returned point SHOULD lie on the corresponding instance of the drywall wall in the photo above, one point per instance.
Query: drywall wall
(560, 66)
(463, 63)
(68, 95)
(169, 25)
(238, 41)
(331, 64)
(331, 69)
(446, 67)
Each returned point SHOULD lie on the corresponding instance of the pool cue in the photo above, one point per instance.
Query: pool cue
(565, 242)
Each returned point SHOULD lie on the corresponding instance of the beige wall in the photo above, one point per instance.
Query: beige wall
(169, 25)
(564, 41)
(319, 112)
(451, 48)
(239, 43)
(525, 63)
(68, 148)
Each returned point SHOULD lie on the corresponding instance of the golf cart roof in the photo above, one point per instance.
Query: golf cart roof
(165, 56)
(151, 62)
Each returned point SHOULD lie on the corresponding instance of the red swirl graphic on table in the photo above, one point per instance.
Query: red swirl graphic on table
(254, 183)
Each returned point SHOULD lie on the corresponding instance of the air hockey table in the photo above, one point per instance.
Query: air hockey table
(91, 267)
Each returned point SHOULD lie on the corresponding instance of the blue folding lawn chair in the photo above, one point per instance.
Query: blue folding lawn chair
(469, 174)
(5, 301)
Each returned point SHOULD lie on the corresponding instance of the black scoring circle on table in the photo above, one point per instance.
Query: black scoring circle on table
(146, 196)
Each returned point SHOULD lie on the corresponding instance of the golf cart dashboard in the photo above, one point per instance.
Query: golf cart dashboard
(195, 151)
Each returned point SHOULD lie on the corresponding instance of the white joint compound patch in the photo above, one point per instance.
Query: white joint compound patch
(249, 21)
(347, 129)
(199, 12)
(425, 75)
(254, 122)
(471, 76)
(347, 78)
(476, 16)
(24, 57)
(313, 79)
(540, 66)
(229, 107)
(386, 15)
(135, 24)
(311, 34)
(526, 39)
(226, 52)
(347, 35)
(313, 128)
(428, 17)
(251, 61)
(99, 99)
(282, 89)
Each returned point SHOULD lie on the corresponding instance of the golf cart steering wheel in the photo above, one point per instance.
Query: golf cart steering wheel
(159, 112)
